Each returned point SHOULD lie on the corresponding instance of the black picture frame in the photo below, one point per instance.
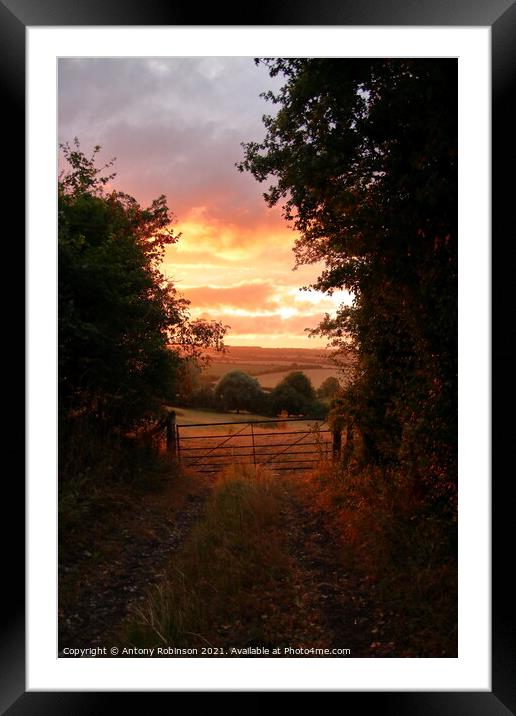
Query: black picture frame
(500, 16)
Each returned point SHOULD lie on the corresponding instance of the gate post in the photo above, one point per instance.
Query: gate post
(336, 442)
(171, 433)
(349, 443)
(254, 451)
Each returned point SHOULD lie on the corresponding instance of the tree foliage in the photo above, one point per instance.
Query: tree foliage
(285, 398)
(300, 382)
(328, 388)
(124, 331)
(363, 157)
(238, 391)
(295, 394)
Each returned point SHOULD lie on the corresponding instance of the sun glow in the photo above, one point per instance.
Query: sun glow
(233, 257)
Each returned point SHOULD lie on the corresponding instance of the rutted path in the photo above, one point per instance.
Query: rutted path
(135, 551)
(345, 601)
(318, 603)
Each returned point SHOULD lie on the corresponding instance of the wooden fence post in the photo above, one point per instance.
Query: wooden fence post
(254, 451)
(348, 448)
(336, 442)
(171, 433)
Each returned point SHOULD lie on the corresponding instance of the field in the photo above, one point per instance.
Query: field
(271, 365)
(206, 437)
(256, 354)
(187, 416)
(217, 369)
(211, 421)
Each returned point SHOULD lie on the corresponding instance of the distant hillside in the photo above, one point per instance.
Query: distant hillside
(270, 365)
(277, 356)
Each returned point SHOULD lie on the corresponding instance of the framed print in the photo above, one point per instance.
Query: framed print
(56, 55)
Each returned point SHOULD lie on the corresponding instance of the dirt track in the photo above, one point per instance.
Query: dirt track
(100, 582)
(335, 608)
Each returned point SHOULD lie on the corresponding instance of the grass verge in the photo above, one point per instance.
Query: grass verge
(116, 508)
(404, 550)
(230, 585)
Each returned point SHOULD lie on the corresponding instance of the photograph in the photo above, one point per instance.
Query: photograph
(259, 314)
(257, 357)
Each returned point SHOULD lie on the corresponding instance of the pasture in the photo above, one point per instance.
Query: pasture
(217, 369)
(269, 375)
(270, 366)
(316, 375)
(279, 444)
(191, 416)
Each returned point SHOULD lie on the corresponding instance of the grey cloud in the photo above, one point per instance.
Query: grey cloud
(174, 124)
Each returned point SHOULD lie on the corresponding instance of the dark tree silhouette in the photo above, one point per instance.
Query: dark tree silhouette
(328, 388)
(363, 157)
(295, 394)
(238, 391)
(118, 315)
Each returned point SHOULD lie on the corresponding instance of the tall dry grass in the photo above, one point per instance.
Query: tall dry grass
(404, 546)
(213, 588)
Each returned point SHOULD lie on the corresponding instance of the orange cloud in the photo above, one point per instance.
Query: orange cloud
(231, 238)
(253, 296)
(273, 340)
(266, 324)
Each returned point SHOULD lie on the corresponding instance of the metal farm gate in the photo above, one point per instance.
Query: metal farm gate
(209, 447)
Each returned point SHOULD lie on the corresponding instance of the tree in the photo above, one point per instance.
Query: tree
(295, 394)
(363, 156)
(328, 388)
(301, 383)
(189, 381)
(238, 391)
(124, 331)
(285, 398)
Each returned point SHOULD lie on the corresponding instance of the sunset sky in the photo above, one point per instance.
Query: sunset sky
(175, 126)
